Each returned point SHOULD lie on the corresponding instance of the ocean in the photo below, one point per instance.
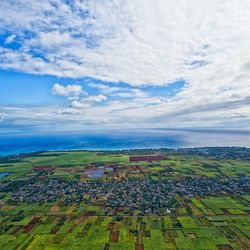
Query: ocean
(118, 140)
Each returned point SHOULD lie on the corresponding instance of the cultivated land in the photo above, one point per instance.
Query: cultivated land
(139, 199)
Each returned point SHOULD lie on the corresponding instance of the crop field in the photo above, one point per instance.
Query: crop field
(175, 165)
(32, 227)
(87, 202)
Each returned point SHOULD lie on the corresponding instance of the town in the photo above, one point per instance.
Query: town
(144, 195)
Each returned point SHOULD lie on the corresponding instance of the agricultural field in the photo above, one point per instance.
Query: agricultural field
(104, 200)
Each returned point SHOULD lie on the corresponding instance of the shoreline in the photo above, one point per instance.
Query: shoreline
(124, 150)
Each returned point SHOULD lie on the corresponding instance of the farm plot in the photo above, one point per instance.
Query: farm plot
(221, 205)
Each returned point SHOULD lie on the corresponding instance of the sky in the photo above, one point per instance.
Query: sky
(79, 65)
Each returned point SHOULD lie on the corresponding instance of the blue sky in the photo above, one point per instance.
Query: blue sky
(21, 88)
(76, 65)
(27, 89)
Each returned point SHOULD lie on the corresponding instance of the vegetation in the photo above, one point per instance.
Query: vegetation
(84, 200)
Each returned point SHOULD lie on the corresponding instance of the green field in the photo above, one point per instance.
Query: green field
(207, 221)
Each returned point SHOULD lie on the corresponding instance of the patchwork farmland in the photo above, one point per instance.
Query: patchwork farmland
(103, 200)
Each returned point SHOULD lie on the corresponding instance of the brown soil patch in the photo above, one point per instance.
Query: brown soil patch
(106, 247)
(90, 213)
(54, 230)
(70, 209)
(110, 227)
(80, 219)
(115, 236)
(139, 247)
(28, 227)
(226, 247)
(55, 209)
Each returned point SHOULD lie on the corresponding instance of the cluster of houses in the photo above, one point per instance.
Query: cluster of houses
(143, 195)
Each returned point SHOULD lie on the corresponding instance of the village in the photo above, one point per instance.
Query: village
(144, 195)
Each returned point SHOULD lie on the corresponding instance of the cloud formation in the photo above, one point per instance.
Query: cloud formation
(88, 101)
(140, 43)
(77, 96)
(10, 39)
(69, 90)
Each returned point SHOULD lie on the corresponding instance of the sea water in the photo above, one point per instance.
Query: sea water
(125, 139)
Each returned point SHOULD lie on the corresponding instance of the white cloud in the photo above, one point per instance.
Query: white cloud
(98, 86)
(69, 90)
(88, 101)
(10, 39)
(69, 111)
(79, 104)
(139, 42)
(128, 93)
(97, 98)
(53, 39)
(77, 97)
